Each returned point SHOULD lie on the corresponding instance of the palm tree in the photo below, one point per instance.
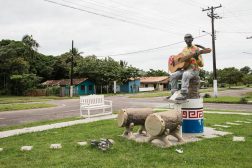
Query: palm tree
(30, 42)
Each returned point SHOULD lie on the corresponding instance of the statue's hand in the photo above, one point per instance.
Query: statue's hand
(196, 54)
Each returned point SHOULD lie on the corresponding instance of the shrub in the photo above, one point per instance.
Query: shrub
(207, 95)
(243, 100)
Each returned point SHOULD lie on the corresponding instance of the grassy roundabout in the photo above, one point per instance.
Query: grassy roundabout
(217, 152)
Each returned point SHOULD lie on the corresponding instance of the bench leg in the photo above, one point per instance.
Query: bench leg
(88, 113)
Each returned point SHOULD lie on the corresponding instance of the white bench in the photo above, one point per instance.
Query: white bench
(94, 105)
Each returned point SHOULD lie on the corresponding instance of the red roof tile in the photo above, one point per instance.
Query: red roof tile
(154, 79)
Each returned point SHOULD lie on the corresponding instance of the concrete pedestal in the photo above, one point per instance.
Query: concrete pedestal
(192, 114)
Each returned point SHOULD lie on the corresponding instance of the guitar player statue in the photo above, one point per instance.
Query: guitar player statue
(186, 65)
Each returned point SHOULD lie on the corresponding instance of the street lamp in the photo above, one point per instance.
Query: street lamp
(206, 32)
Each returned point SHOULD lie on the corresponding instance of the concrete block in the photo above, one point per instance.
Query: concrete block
(26, 148)
(238, 139)
(82, 143)
(55, 146)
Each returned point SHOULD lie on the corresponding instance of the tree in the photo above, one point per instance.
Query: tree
(245, 70)
(153, 72)
(230, 75)
(23, 82)
(247, 79)
(30, 42)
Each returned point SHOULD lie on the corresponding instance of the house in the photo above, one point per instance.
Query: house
(159, 83)
(131, 86)
(82, 86)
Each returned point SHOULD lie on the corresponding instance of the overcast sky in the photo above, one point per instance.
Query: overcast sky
(135, 25)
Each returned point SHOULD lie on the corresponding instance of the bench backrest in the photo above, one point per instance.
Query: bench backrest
(92, 100)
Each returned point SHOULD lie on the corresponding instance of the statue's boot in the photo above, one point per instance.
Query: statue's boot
(183, 96)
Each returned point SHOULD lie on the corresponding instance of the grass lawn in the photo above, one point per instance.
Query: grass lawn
(9, 103)
(165, 93)
(248, 96)
(28, 99)
(237, 111)
(222, 99)
(218, 152)
(150, 94)
(23, 106)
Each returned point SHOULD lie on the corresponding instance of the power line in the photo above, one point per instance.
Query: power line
(150, 49)
(151, 13)
(234, 32)
(247, 53)
(110, 17)
(117, 10)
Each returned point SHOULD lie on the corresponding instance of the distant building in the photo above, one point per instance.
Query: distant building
(82, 86)
(131, 86)
(159, 83)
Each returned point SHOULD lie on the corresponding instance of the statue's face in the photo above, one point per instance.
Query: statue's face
(188, 41)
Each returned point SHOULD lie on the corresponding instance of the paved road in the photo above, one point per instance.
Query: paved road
(70, 108)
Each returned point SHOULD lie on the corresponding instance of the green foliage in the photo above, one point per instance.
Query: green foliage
(23, 82)
(30, 42)
(105, 71)
(206, 95)
(247, 79)
(243, 100)
(230, 75)
(245, 70)
(153, 72)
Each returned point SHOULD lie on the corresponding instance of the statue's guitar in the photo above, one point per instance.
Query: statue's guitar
(179, 61)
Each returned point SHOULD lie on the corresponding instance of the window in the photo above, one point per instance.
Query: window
(82, 87)
(146, 85)
(90, 87)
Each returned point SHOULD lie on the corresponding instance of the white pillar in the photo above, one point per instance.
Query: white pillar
(215, 88)
(115, 87)
(71, 91)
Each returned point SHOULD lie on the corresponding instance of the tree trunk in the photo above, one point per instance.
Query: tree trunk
(156, 124)
(137, 116)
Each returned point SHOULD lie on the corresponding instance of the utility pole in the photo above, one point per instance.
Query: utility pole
(213, 16)
(71, 73)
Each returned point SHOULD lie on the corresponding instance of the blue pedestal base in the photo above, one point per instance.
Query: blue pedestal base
(193, 126)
